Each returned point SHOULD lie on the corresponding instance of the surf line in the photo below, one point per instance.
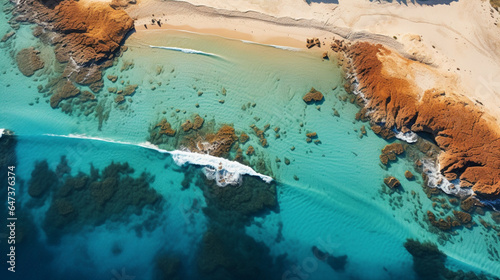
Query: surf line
(224, 171)
(187, 51)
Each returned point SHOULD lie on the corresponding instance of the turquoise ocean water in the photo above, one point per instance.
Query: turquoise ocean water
(329, 196)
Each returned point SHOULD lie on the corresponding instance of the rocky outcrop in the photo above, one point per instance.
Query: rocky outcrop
(244, 138)
(85, 36)
(165, 128)
(196, 124)
(260, 134)
(313, 96)
(222, 141)
(28, 61)
(7, 36)
(313, 42)
(392, 182)
(64, 90)
(469, 139)
(84, 33)
(390, 152)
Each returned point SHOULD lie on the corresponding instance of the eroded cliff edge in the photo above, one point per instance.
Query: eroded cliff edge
(409, 96)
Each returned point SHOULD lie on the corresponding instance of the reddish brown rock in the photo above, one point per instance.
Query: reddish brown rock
(383, 132)
(312, 135)
(250, 150)
(312, 96)
(260, 134)
(222, 141)
(85, 33)
(462, 217)
(392, 182)
(165, 127)
(390, 152)
(313, 42)
(129, 90)
(243, 138)
(442, 224)
(469, 139)
(194, 125)
(198, 122)
(468, 204)
(28, 61)
(408, 175)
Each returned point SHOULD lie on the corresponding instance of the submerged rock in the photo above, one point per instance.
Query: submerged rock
(390, 152)
(90, 200)
(408, 175)
(337, 263)
(7, 36)
(28, 61)
(64, 90)
(42, 180)
(250, 151)
(165, 128)
(243, 138)
(428, 260)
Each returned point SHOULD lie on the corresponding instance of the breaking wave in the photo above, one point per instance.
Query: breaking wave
(1, 132)
(224, 171)
(409, 137)
(273, 46)
(437, 180)
(188, 51)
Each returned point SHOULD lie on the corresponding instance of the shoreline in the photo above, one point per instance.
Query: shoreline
(469, 66)
(417, 76)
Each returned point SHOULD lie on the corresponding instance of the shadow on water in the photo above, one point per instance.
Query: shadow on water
(418, 2)
(322, 1)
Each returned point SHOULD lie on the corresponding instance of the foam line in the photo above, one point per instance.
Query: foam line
(273, 46)
(409, 137)
(188, 51)
(224, 171)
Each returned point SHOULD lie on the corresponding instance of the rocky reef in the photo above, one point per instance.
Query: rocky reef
(84, 33)
(468, 137)
(390, 152)
(28, 61)
(336, 263)
(313, 96)
(86, 37)
(88, 199)
(226, 251)
(392, 182)
(429, 263)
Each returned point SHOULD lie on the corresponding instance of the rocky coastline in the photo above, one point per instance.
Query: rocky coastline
(468, 137)
(86, 38)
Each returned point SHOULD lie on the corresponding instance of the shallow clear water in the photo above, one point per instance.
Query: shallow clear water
(329, 196)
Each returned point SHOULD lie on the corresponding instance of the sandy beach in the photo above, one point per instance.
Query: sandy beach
(462, 46)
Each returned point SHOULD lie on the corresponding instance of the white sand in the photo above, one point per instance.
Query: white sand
(457, 35)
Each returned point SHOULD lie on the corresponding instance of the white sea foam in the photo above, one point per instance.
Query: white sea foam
(273, 46)
(437, 180)
(224, 171)
(188, 51)
(409, 137)
(1, 132)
